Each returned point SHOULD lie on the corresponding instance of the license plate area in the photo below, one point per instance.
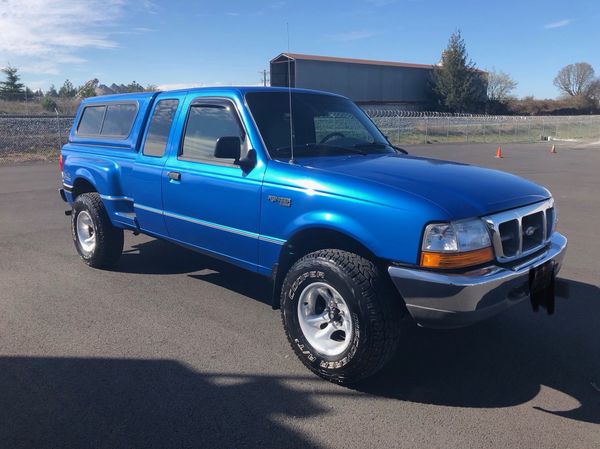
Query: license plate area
(542, 280)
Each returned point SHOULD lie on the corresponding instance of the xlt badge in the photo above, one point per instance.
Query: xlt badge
(282, 201)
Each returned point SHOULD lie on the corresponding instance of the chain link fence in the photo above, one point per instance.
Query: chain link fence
(32, 137)
(412, 127)
(39, 137)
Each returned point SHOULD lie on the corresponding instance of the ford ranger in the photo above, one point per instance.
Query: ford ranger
(300, 186)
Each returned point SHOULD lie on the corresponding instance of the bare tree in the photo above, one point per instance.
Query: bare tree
(500, 85)
(575, 79)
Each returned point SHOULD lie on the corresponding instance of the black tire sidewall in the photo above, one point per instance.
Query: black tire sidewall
(299, 277)
(109, 239)
(81, 204)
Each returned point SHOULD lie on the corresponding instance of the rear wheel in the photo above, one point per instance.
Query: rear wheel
(97, 241)
(340, 315)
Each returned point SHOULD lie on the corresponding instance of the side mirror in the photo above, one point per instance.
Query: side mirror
(229, 147)
(248, 162)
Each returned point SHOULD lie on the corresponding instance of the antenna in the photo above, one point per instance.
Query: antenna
(290, 95)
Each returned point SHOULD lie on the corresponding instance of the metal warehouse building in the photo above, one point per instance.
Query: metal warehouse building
(361, 80)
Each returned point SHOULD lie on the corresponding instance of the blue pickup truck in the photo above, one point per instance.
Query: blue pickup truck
(300, 186)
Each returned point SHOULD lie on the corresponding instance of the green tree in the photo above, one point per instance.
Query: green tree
(11, 88)
(88, 89)
(458, 85)
(52, 91)
(67, 90)
(29, 94)
(49, 103)
(134, 86)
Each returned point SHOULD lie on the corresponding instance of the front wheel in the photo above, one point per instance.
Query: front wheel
(339, 314)
(97, 241)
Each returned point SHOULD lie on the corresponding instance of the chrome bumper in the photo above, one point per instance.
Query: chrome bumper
(446, 300)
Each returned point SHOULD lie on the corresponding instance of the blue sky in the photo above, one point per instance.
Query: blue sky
(180, 43)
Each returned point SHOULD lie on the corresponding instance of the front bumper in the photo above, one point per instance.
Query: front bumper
(447, 300)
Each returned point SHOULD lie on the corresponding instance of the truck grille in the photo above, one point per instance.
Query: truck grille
(519, 232)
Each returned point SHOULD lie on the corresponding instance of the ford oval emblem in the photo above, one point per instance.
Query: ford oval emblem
(530, 231)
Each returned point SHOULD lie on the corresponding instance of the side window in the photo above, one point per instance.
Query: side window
(205, 125)
(91, 120)
(118, 120)
(159, 128)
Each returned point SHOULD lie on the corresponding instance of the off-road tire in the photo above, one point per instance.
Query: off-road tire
(375, 308)
(109, 239)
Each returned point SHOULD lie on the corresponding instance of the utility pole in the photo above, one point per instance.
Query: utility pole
(264, 74)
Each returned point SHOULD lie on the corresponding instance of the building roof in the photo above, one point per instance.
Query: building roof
(294, 56)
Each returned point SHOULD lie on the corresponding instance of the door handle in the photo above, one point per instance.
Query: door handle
(174, 176)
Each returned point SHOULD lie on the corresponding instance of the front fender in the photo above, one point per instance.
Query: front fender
(334, 221)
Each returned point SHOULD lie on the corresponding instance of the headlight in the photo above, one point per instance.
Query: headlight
(456, 245)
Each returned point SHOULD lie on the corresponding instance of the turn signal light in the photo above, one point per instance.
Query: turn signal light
(60, 162)
(456, 260)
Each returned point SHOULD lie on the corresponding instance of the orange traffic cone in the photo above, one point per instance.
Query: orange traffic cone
(553, 150)
(499, 153)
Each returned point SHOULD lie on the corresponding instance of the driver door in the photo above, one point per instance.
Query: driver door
(211, 203)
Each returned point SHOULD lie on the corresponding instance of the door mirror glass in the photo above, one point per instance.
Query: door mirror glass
(229, 147)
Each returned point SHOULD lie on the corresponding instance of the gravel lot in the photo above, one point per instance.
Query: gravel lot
(173, 349)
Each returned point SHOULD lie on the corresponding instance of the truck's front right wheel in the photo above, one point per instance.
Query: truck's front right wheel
(97, 241)
(340, 316)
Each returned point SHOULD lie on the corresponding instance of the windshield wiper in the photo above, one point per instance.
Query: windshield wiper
(316, 146)
(370, 145)
(380, 145)
(352, 149)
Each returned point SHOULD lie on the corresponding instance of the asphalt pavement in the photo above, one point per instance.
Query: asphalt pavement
(172, 349)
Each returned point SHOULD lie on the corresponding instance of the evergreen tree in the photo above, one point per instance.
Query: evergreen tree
(11, 89)
(49, 103)
(67, 90)
(458, 85)
(134, 86)
(52, 91)
(88, 89)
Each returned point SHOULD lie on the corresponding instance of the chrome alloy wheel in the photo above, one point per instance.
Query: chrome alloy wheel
(86, 233)
(325, 319)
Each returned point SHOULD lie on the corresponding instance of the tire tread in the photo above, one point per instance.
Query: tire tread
(109, 239)
(383, 313)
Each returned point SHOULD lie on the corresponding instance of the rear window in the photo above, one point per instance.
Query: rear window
(118, 120)
(91, 120)
(112, 120)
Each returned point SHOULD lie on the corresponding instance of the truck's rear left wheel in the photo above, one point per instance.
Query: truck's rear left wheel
(97, 241)
(341, 319)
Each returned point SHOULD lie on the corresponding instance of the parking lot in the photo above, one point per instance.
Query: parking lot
(173, 349)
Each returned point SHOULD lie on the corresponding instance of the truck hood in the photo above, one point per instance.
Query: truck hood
(461, 190)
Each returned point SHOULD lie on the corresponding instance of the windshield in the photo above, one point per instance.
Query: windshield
(323, 125)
